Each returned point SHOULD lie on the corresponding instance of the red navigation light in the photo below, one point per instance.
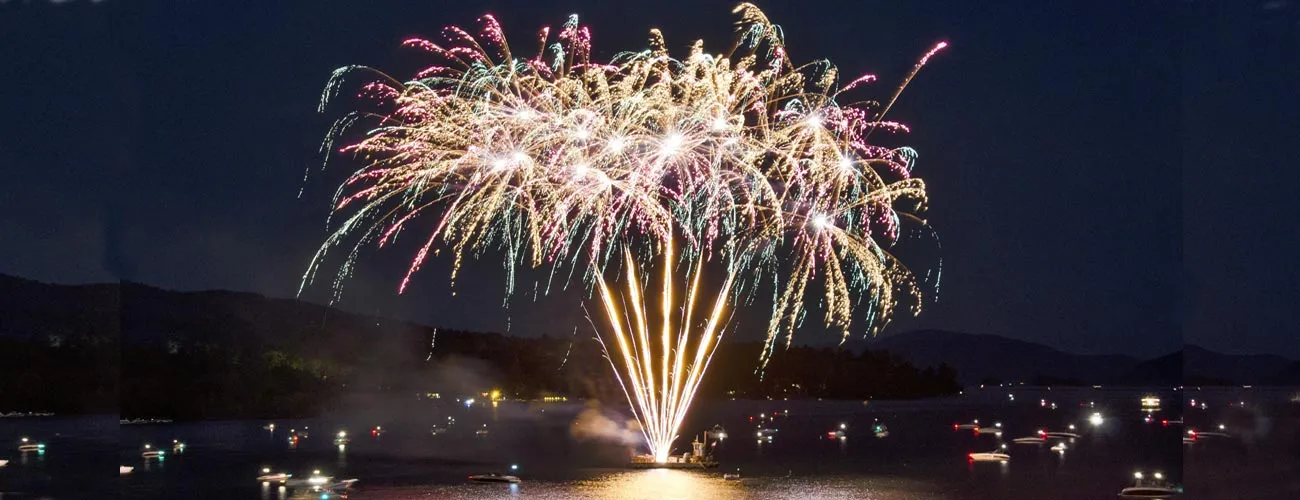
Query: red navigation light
(955, 427)
(1164, 422)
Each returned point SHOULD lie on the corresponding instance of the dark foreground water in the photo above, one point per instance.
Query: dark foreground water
(922, 458)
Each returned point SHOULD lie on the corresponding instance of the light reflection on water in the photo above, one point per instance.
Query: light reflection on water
(661, 484)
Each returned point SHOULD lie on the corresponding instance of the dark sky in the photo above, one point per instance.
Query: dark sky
(1105, 176)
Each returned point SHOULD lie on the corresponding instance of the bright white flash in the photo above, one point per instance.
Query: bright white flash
(672, 142)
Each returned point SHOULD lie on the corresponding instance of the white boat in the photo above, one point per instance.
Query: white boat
(731, 476)
(124, 469)
(973, 425)
(1061, 435)
(1148, 492)
(1156, 487)
(988, 430)
(1030, 440)
(989, 456)
(315, 481)
(340, 486)
(881, 431)
(28, 445)
(4, 463)
(1188, 440)
(270, 477)
(435, 430)
(1059, 448)
(149, 452)
(493, 477)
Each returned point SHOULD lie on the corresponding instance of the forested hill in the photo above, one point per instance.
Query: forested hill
(217, 354)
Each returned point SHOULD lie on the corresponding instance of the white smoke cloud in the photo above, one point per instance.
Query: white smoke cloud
(596, 424)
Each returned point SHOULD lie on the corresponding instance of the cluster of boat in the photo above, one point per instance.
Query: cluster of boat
(316, 482)
(1154, 486)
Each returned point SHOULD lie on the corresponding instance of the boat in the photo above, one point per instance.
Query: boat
(482, 432)
(269, 477)
(435, 430)
(1030, 440)
(990, 456)
(1219, 433)
(698, 458)
(28, 445)
(493, 477)
(178, 447)
(124, 469)
(339, 487)
(1059, 448)
(975, 424)
(315, 481)
(1156, 487)
(988, 430)
(4, 463)
(149, 452)
(342, 438)
(718, 432)
(683, 461)
(881, 431)
(731, 476)
(1070, 435)
(1189, 440)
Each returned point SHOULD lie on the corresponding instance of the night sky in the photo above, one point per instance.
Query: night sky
(1105, 176)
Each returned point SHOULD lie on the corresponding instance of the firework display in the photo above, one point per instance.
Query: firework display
(643, 168)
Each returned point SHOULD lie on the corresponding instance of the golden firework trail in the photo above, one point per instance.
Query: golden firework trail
(743, 161)
(661, 393)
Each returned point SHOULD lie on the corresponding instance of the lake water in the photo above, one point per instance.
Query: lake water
(922, 458)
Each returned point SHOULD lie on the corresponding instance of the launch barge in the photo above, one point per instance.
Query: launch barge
(697, 459)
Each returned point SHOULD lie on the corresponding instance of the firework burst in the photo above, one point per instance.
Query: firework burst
(742, 162)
